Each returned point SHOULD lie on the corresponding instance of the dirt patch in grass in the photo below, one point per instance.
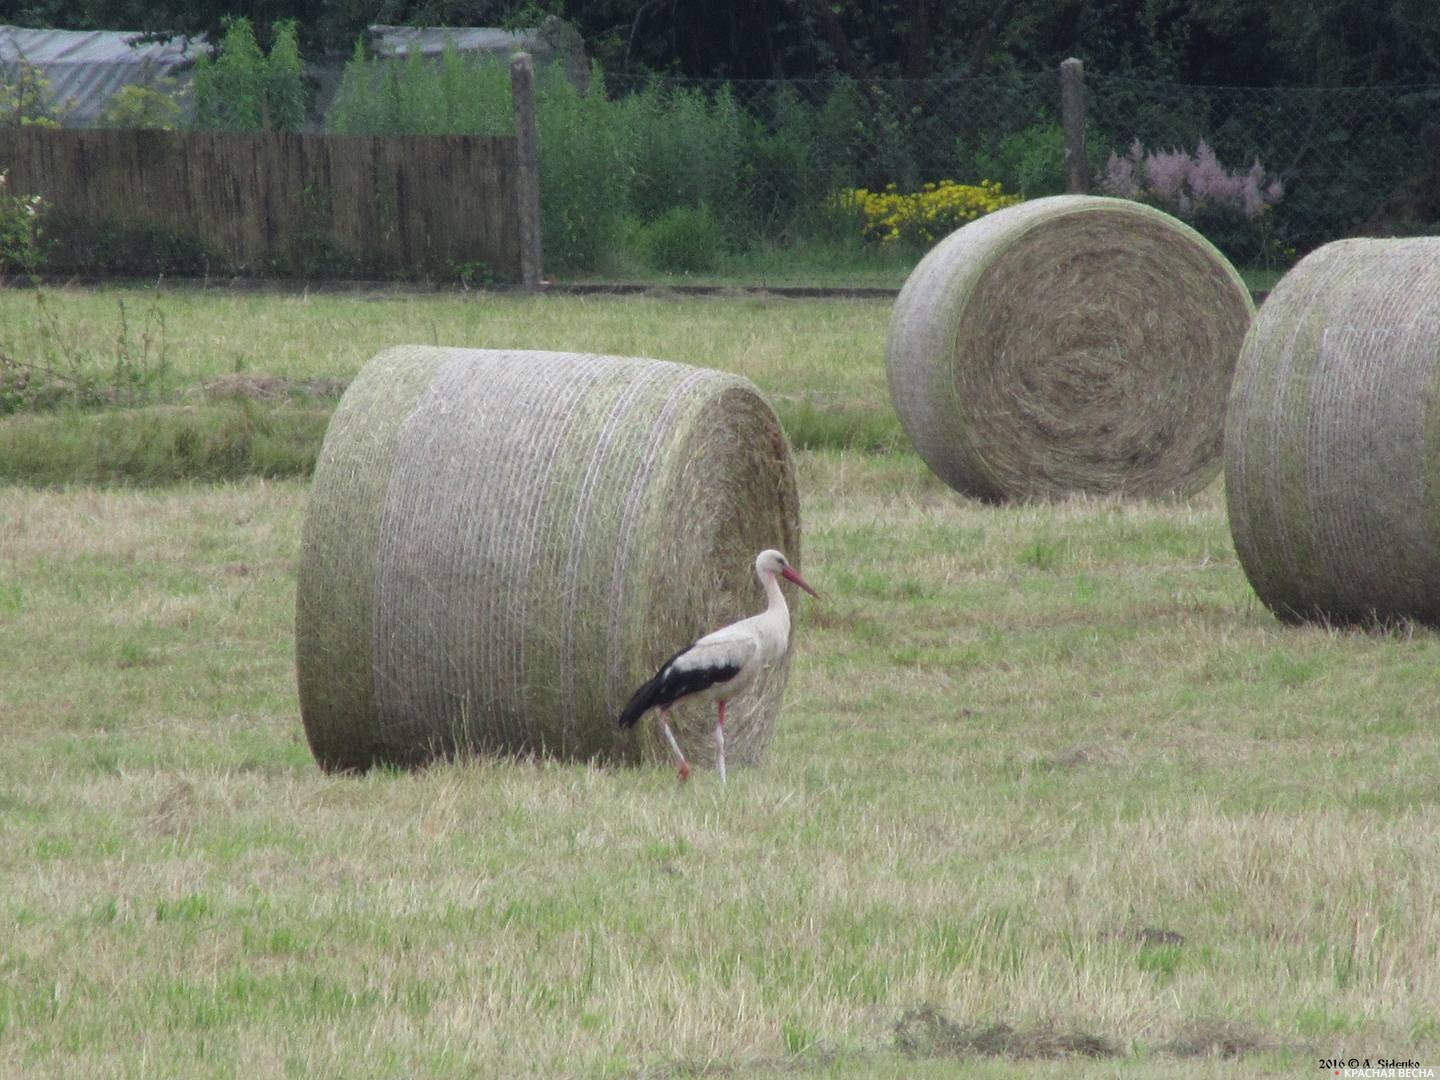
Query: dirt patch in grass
(926, 1032)
(260, 386)
(1219, 1038)
(174, 813)
(1076, 757)
(1145, 936)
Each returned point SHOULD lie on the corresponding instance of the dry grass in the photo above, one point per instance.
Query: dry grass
(1015, 739)
(1047, 775)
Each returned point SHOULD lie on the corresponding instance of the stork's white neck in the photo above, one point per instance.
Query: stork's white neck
(774, 597)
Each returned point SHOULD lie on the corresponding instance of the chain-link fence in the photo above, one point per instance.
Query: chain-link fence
(1350, 159)
(648, 164)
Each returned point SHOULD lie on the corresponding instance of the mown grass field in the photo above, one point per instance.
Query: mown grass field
(1050, 788)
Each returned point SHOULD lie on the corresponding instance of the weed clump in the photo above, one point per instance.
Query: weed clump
(683, 240)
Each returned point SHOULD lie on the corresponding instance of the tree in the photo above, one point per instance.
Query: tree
(1234, 42)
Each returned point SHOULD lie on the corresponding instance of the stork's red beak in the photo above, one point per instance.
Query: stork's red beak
(789, 573)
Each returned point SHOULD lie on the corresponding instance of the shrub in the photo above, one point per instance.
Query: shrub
(230, 88)
(136, 106)
(19, 229)
(147, 248)
(583, 170)
(1182, 182)
(311, 249)
(794, 162)
(1032, 161)
(605, 161)
(924, 216)
(380, 96)
(25, 99)
(1232, 209)
(684, 240)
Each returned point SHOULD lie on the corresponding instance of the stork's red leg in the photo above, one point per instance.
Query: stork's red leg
(720, 742)
(674, 746)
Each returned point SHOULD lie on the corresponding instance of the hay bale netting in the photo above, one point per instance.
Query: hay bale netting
(1069, 344)
(501, 545)
(1332, 446)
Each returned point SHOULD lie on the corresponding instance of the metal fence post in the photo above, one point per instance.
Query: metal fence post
(1072, 119)
(527, 162)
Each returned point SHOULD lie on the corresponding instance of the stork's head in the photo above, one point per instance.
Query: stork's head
(771, 561)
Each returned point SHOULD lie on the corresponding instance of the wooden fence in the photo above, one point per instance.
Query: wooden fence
(409, 203)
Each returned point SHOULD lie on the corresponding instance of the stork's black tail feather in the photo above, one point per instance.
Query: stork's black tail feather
(648, 696)
(644, 699)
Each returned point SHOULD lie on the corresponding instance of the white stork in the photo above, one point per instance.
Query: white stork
(723, 664)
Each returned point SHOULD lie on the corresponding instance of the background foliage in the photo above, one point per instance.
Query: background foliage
(729, 128)
(243, 89)
(1217, 42)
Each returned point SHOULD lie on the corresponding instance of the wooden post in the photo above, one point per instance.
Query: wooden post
(1072, 119)
(527, 178)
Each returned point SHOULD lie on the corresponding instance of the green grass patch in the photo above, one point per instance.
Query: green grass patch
(161, 444)
(260, 372)
(844, 427)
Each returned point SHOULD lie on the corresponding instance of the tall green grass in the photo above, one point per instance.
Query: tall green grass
(612, 166)
(161, 444)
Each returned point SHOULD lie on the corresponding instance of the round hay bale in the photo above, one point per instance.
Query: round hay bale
(1332, 445)
(502, 545)
(1069, 344)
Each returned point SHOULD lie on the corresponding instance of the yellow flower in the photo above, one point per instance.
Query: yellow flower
(892, 215)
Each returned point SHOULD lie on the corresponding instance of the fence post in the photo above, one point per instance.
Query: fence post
(1072, 119)
(527, 172)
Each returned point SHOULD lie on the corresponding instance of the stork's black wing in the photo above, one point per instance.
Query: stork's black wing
(678, 679)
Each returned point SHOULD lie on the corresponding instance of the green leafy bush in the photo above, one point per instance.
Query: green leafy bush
(311, 249)
(287, 98)
(19, 229)
(25, 99)
(136, 106)
(583, 188)
(1032, 161)
(683, 240)
(584, 171)
(149, 248)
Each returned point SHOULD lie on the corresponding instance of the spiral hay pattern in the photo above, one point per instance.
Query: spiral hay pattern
(1332, 445)
(1068, 344)
(501, 545)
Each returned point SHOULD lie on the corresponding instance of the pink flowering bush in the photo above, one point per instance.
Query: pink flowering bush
(1231, 208)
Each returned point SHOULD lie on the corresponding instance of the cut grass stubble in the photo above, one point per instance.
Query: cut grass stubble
(1106, 800)
(1049, 780)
